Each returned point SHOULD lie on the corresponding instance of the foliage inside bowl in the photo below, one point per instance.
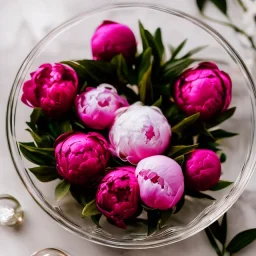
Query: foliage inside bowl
(129, 132)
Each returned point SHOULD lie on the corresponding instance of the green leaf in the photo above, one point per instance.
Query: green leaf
(153, 221)
(31, 126)
(90, 209)
(180, 160)
(170, 70)
(61, 190)
(173, 114)
(221, 134)
(221, 185)
(158, 103)
(203, 131)
(219, 231)
(201, 4)
(156, 52)
(35, 115)
(81, 126)
(159, 42)
(65, 126)
(39, 156)
(31, 144)
(94, 72)
(96, 219)
(216, 230)
(37, 138)
(41, 141)
(193, 51)
(223, 229)
(171, 49)
(123, 72)
(165, 216)
(83, 195)
(200, 195)
(184, 124)
(145, 85)
(83, 87)
(212, 241)
(223, 157)
(241, 3)
(205, 142)
(181, 150)
(45, 173)
(221, 117)
(144, 40)
(145, 64)
(241, 240)
(221, 5)
(178, 49)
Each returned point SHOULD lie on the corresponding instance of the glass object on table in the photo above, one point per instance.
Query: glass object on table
(50, 252)
(11, 213)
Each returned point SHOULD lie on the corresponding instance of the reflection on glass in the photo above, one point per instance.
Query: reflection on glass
(50, 252)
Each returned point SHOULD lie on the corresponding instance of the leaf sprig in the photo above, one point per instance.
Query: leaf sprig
(218, 232)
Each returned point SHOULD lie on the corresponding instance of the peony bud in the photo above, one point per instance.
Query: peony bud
(202, 169)
(204, 89)
(118, 195)
(161, 182)
(51, 88)
(96, 106)
(81, 158)
(112, 38)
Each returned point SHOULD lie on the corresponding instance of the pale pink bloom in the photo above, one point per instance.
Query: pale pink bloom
(96, 106)
(138, 132)
(161, 182)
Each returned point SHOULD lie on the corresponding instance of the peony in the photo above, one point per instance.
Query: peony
(81, 158)
(204, 89)
(202, 169)
(51, 88)
(96, 106)
(138, 132)
(118, 195)
(161, 182)
(111, 39)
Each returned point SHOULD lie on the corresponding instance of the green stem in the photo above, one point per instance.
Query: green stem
(240, 2)
(233, 26)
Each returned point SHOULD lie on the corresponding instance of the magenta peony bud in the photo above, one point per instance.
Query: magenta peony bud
(112, 38)
(204, 89)
(202, 169)
(51, 88)
(161, 182)
(96, 106)
(118, 195)
(81, 158)
(138, 132)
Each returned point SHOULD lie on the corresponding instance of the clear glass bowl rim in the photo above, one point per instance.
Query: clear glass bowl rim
(205, 218)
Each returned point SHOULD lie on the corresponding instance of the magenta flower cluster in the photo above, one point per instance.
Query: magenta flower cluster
(139, 135)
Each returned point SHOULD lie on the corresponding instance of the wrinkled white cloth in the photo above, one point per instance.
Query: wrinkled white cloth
(22, 24)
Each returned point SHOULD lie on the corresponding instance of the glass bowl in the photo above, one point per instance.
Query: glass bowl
(71, 40)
